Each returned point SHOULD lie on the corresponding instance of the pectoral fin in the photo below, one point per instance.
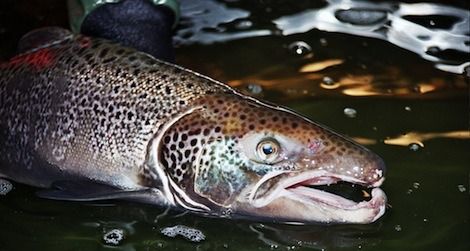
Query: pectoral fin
(92, 191)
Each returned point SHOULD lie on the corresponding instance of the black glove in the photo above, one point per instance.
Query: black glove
(135, 23)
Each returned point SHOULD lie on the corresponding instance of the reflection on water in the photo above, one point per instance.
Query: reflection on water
(333, 61)
(418, 138)
(200, 22)
(393, 22)
(433, 31)
(317, 237)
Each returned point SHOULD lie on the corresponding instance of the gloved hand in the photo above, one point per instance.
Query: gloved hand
(142, 24)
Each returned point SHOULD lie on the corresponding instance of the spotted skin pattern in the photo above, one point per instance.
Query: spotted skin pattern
(88, 109)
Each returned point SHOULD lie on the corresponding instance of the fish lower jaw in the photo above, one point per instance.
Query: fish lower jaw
(329, 208)
(311, 204)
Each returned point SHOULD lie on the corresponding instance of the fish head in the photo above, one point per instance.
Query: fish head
(239, 155)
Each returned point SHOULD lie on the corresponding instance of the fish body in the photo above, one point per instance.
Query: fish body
(89, 119)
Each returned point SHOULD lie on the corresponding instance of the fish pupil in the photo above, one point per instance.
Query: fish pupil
(268, 149)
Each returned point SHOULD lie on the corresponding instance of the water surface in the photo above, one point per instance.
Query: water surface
(410, 104)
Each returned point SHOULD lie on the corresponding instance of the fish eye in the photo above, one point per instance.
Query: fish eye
(268, 150)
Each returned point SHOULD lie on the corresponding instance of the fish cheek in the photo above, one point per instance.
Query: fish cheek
(220, 176)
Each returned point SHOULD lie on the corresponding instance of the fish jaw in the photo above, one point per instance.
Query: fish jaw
(293, 195)
(296, 200)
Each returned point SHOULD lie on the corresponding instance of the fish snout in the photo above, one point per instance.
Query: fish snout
(344, 159)
(362, 165)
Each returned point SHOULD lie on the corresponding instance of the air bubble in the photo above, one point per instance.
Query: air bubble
(461, 188)
(350, 112)
(243, 24)
(328, 81)
(398, 228)
(5, 187)
(407, 108)
(323, 42)
(191, 234)
(300, 48)
(254, 89)
(415, 185)
(414, 147)
(113, 237)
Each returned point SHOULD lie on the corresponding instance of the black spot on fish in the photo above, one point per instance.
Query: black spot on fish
(109, 60)
(103, 53)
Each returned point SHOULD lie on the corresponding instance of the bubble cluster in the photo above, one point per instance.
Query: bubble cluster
(113, 237)
(5, 186)
(191, 234)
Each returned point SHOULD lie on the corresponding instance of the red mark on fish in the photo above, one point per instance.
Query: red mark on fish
(84, 42)
(313, 145)
(39, 60)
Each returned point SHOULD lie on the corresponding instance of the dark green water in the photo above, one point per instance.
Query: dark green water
(400, 99)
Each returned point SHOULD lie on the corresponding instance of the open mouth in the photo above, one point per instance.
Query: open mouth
(350, 191)
(331, 197)
(341, 192)
(333, 190)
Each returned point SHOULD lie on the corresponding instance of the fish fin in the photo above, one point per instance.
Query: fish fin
(41, 38)
(94, 191)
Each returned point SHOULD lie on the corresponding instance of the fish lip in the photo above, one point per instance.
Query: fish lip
(295, 188)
